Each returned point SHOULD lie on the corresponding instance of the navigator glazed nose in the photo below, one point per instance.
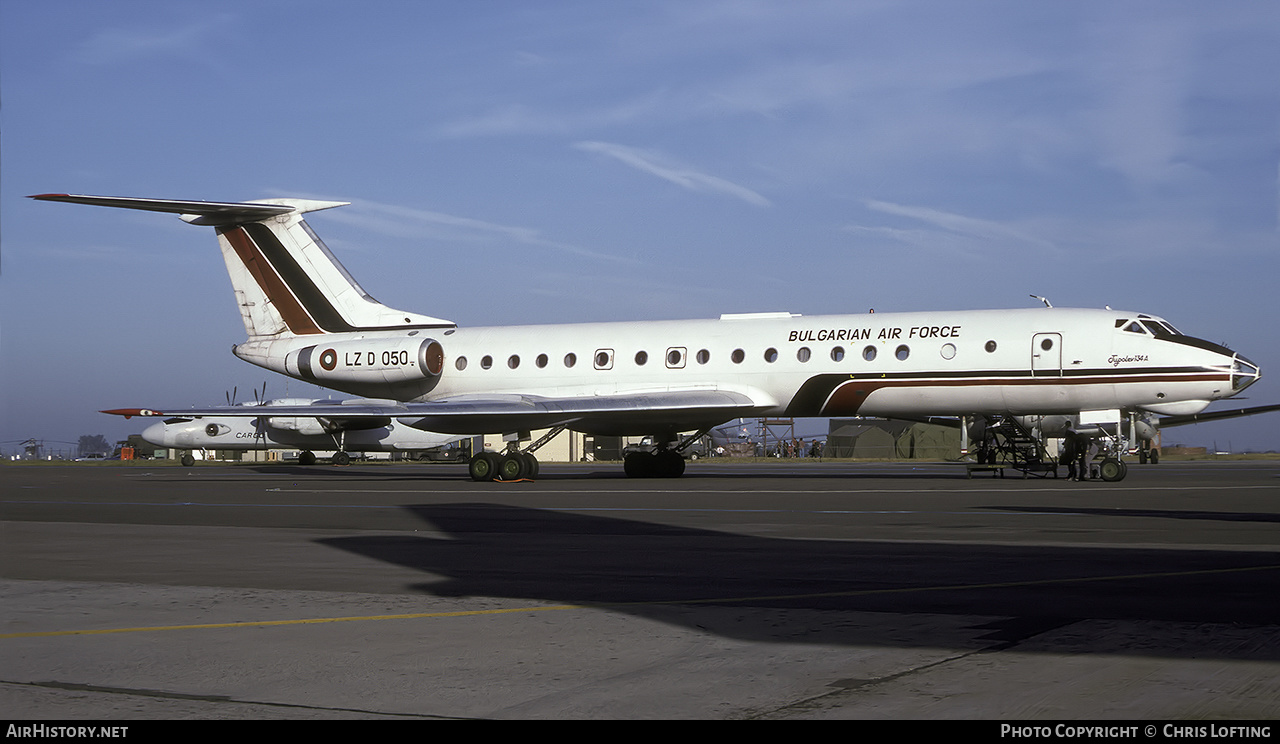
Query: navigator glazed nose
(1243, 373)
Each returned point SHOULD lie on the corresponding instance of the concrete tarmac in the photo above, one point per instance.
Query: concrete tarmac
(763, 591)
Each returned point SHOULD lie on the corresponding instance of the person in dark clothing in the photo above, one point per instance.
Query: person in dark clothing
(1072, 452)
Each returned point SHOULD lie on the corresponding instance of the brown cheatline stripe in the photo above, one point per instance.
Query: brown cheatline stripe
(295, 315)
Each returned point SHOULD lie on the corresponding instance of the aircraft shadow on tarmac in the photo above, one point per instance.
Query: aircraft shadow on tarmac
(707, 579)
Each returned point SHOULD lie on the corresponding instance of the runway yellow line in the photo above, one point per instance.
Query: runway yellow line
(304, 621)
(607, 605)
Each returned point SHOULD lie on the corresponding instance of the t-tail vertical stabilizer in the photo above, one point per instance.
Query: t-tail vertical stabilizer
(287, 284)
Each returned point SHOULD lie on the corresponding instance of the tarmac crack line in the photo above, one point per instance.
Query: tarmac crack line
(1011, 631)
(843, 688)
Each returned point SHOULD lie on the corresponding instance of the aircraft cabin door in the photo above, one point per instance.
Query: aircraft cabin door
(1046, 355)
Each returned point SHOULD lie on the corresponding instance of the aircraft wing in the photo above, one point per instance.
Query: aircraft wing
(1162, 421)
(678, 410)
(1198, 418)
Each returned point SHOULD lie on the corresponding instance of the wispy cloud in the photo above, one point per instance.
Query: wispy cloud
(677, 173)
(523, 119)
(141, 42)
(400, 221)
(970, 236)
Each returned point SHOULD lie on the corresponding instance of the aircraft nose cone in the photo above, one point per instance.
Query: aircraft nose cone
(155, 434)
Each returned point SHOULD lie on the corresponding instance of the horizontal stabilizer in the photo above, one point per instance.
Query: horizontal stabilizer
(200, 212)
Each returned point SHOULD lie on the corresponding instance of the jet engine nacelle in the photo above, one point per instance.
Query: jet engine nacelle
(373, 360)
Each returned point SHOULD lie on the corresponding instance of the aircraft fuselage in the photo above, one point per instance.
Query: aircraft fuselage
(1026, 361)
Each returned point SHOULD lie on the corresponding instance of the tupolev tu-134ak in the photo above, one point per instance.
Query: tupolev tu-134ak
(1001, 375)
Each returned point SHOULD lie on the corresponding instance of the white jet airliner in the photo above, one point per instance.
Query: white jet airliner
(1030, 369)
(306, 433)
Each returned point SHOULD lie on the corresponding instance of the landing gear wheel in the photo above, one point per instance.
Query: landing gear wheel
(1113, 470)
(670, 464)
(341, 458)
(638, 465)
(663, 464)
(307, 458)
(187, 460)
(512, 467)
(483, 467)
(531, 465)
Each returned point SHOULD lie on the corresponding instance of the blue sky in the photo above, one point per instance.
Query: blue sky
(526, 162)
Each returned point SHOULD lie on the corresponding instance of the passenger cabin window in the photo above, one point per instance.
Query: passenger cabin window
(604, 359)
(737, 356)
(675, 357)
(570, 359)
(704, 356)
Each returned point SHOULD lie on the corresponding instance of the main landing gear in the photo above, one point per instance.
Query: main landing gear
(340, 457)
(664, 463)
(512, 465)
(509, 466)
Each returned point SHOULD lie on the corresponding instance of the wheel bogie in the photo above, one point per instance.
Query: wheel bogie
(661, 464)
(513, 466)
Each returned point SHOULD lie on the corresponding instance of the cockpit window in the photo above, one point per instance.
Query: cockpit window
(1157, 326)
(1160, 328)
(1130, 326)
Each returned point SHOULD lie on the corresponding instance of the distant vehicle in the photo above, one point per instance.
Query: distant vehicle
(696, 449)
